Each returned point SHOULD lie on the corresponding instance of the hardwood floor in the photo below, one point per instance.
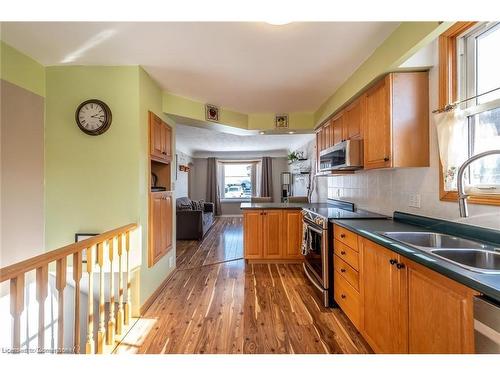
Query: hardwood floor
(223, 242)
(215, 305)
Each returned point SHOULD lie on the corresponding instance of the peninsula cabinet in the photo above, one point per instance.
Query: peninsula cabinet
(160, 228)
(396, 121)
(272, 235)
(160, 139)
(405, 307)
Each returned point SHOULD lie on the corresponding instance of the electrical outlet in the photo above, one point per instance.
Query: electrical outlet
(414, 200)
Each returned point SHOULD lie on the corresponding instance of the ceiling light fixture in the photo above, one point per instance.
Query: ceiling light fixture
(278, 22)
(262, 132)
(291, 132)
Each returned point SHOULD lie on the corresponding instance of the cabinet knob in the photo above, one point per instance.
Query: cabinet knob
(342, 270)
(393, 261)
(342, 252)
(400, 266)
(342, 235)
(386, 158)
(342, 296)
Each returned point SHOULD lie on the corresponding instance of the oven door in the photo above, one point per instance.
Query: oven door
(316, 260)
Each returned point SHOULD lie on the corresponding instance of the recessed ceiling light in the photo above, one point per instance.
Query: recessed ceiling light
(278, 22)
(262, 132)
(291, 132)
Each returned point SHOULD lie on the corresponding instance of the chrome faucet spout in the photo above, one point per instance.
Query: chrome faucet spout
(462, 196)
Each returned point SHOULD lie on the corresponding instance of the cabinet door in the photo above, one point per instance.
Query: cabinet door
(440, 313)
(337, 124)
(166, 223)
(292, 234)
(377, 137)
(252, 223)
(272, 226)
(384, 297)
(156, 136)
(353, 120)
(167, 141)
(327, 130)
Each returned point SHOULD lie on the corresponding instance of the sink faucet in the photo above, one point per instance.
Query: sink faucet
(462, 196)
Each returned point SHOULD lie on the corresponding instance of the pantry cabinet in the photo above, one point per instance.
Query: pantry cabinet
(404, 307)
(160, 232)
(160, 138)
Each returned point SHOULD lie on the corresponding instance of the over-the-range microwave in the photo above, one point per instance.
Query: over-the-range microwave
(347, 155)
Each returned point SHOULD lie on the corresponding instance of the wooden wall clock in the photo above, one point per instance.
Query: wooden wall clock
(93, 117)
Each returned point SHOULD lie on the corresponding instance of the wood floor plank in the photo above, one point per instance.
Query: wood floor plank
(216, 303)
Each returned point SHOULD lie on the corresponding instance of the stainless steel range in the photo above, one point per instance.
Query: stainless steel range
(317, 244)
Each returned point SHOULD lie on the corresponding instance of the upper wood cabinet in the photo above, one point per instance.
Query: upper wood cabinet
(338, 129)
(353, 123)
(384, 297)
(396, 121)
(160, 140)
(160, 231)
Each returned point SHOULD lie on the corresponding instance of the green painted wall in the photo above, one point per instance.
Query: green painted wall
(184, 107)
(407, 39)
(21, 70)
(150, 99)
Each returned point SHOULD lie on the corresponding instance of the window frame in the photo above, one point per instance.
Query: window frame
(223, 180)
(448, 93)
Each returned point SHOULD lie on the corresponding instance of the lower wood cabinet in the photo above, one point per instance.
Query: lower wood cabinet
(272, 234)
(405, 307)
(160, 226)
(383, 291)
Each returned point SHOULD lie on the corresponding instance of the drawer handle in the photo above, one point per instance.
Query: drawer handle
(342, 296)
(342, 270)
(342, 252)
(342, 235)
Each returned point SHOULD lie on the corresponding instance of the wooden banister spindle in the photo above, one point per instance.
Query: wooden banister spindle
(110, 332)
(77, 275)
(16, 309)
(101, 332)
(119, 313)
(42, 280)
(90, 344)
(60, 285)
(128, 302)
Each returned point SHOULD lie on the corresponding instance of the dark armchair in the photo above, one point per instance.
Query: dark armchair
(193, 224)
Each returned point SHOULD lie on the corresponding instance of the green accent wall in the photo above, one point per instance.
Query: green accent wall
(21, 70)
(97, 183)
(406, 40)
(185, 107)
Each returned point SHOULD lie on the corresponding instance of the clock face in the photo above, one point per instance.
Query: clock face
(93, 117)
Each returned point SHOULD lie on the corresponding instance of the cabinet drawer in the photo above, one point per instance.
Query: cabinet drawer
(347, 272)
(347, 237)
(347, 254)
(347, 298)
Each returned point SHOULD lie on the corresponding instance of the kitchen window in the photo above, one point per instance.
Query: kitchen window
(238, 180)
(470, 68)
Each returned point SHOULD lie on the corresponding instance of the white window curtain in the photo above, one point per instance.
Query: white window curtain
(452, 132)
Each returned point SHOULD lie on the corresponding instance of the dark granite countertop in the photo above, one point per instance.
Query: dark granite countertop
(280, 206)
(488, 284)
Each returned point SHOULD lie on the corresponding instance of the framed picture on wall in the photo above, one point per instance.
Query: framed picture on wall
(281, 121)
(84, 236)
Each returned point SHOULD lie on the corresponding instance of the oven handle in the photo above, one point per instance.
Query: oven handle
(310, 227)
(315, 283)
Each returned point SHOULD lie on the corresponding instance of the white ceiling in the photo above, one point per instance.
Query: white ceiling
(203, 142)
(246, 66)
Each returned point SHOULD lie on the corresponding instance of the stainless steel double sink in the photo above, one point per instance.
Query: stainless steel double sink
(472, 255)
